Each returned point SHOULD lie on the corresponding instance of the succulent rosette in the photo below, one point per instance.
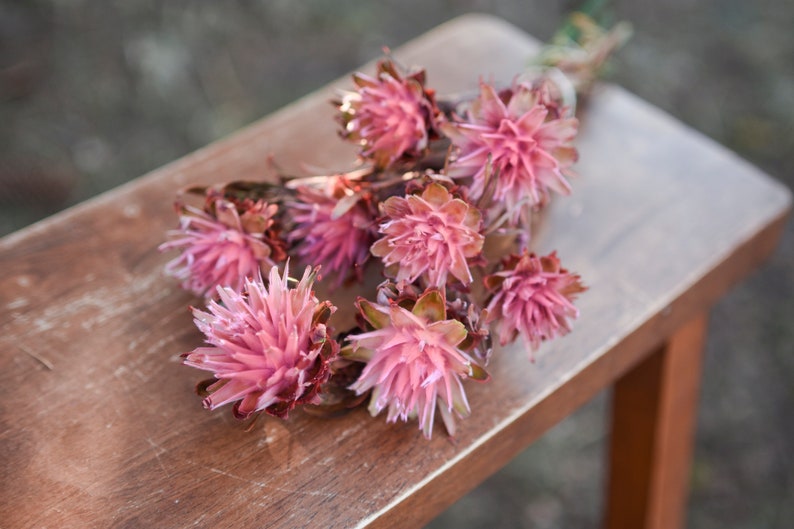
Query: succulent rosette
(389, 116)
(223, 244)
(269, 346)
(414, 363)
(432, 235)
(532, 297)
(512, 149)
(334, 227)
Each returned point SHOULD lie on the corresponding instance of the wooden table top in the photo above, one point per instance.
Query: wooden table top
(100, 424)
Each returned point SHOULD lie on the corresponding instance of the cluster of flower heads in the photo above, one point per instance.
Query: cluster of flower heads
(435, 179)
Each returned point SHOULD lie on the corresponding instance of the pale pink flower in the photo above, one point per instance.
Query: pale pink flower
(269, 346)
(389, 116)
(223, 248)
(515, 141)
(334, 228)
(460, 307)
(532, 297)
(414, 363)
(432, 234)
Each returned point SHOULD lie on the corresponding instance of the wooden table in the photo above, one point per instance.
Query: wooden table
(100, 425)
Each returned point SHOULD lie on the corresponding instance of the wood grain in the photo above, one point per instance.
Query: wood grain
(100, 426)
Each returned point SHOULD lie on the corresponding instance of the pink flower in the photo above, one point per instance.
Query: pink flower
(414, 364)
(334, 228)
(270, 347)
(516, 141)
(431, 234)
(388, 116)
(223, 248)
(532, 297)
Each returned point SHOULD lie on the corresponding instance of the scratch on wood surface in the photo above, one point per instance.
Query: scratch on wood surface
(329, 495)
(144, 336)
(42, 325)
(43, 361)
(158, 451)
(17, 303)
(102, 304)
(347, 432)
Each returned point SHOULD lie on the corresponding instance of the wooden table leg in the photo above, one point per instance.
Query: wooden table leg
(654, 410)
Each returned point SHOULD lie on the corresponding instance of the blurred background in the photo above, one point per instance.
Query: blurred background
(94, 93)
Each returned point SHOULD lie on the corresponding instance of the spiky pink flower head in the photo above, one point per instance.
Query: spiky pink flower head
(460, 306)
(223, 247)
(532, 296)
(334, 227)
(269, 346)
(513, 138)
(389, 116)
(414, 363)
(431, 234)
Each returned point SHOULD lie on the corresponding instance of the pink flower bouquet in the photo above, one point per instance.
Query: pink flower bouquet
(435, 179)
